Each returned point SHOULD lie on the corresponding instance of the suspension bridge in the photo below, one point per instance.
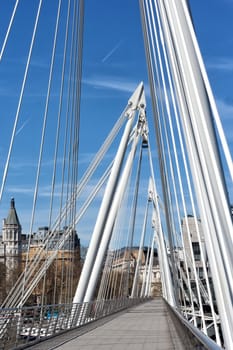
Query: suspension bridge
(158, 269)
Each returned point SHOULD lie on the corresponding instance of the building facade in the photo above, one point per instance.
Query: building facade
(17, 252)
(191, 226)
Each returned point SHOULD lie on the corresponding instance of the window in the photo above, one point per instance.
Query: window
(196, 251)
(201, 272)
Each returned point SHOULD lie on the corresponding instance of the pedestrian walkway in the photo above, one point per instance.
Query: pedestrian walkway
(147, 326)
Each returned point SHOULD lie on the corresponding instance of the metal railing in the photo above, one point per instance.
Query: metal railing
(31, 324)
(190, 335)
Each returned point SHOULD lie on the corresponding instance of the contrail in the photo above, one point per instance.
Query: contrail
(21, 128)
(111, 52)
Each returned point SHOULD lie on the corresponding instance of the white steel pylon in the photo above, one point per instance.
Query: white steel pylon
(85, 286)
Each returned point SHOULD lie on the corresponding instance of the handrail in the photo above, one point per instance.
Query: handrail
(207, 342)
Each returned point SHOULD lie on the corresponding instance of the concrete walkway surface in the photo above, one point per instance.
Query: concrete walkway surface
(147, 326)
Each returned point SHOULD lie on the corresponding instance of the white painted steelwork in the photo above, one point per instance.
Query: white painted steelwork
(134, 102)
(196, 106)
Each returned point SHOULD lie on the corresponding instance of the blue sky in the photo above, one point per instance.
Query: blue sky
(113, 65)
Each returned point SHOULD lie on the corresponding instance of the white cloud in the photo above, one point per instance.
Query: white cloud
(226, 114)
(223, 64)
(19, 190)
(111, 83)
(225, 110)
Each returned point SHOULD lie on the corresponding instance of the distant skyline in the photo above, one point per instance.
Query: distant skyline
(113, 65)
